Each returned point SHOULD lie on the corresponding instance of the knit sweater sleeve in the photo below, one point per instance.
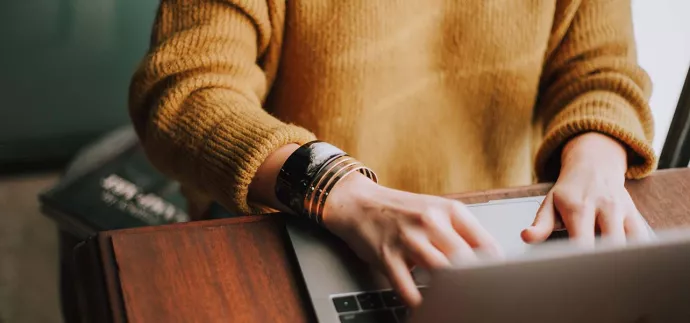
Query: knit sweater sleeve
(196, 99)
(591, 82)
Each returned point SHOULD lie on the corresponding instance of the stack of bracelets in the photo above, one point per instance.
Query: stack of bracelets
(309, 174)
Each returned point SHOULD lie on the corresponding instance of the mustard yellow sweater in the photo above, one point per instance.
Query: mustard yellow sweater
(437, 96)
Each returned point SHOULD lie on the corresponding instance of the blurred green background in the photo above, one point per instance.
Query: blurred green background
(65, 67)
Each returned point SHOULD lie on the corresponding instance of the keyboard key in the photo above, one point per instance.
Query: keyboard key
(391, 299)
(370, 301)
(402, 313)
(345, 304)
(382, 316)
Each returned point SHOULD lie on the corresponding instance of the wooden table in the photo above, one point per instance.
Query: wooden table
(241, 269)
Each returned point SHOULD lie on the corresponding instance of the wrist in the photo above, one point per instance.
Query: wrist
(353, 190)
(594, 149)
(310, 173)
(262, 187)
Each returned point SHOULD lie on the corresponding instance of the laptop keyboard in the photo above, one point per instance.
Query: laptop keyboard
(384, 306)
(371, 307)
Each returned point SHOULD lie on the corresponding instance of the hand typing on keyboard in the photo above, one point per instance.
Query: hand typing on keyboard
(395, 230)
(590, 194)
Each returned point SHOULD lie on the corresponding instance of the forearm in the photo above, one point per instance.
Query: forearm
(195, 100)
(591, 82)
(595, 149)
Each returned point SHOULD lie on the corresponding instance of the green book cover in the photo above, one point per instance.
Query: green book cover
(123, 192)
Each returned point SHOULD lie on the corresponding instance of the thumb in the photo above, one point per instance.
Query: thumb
(543, 223)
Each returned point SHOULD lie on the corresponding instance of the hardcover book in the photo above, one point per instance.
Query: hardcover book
(112, 185)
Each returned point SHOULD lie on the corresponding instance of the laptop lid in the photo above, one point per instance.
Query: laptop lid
(643, 282)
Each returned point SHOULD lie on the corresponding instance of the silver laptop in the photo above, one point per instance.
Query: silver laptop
(344, 289)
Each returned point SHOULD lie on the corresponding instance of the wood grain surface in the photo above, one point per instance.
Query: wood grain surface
(227, 273)
(241, 269)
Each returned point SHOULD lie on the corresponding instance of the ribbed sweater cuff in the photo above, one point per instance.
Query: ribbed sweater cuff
(234, 156)
(227, 139)
(604, 113)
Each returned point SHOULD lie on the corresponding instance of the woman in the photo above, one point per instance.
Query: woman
(434, 96)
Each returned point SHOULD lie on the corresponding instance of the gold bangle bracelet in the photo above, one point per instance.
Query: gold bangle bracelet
(322, 183)
(325, 190)
(326, 179)
(322, 201)
(324, 175)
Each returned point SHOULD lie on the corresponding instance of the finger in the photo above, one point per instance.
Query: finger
(456, 250)
(401, 279)
(543, 224)
(422, 252)
(466, 225)
(580, 224)
(611, 224)
(636, 227)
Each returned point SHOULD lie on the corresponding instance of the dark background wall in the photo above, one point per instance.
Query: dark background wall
(64, 71)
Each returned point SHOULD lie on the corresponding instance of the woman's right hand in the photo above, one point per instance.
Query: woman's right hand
(390, 229)
(394, 230)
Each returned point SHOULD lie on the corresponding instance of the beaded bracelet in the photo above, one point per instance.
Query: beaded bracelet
(309, 174)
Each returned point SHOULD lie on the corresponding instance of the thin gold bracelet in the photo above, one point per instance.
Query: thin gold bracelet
(320, 199)
(331, 174)
(324, 175)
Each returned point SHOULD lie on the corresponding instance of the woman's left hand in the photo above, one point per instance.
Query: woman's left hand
(590, 193)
